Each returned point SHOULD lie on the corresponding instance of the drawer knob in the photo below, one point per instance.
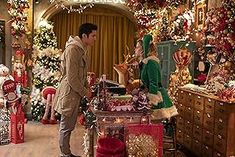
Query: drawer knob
(220, 120)
(209, 100)
(220, 137)
(189, 94)
(208, 115)
(218, 154)
(198, 97)
(198, 112)
(221, 104)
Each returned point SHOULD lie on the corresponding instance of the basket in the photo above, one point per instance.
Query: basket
(110, 147)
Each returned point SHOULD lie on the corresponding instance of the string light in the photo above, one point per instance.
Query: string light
(70, 8)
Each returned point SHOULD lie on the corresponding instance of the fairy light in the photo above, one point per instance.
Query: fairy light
(70, 8)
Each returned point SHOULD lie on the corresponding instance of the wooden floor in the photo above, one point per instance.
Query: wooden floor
(42, 141)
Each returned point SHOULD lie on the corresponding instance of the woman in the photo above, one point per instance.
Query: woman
(151, 78)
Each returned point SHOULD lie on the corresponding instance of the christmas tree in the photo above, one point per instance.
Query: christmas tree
(45, 36)
(46, 64)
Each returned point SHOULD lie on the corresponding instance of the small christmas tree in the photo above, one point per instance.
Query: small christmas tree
(45, 36)
(46, 64)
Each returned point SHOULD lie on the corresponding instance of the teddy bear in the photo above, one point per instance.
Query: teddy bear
(4, 76)
(48, 94)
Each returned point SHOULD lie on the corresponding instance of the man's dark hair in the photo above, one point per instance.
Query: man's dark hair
(86, 28)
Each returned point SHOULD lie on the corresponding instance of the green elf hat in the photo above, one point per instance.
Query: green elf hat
(146, 42)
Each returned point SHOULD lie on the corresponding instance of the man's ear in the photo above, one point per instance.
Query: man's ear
(84, 35)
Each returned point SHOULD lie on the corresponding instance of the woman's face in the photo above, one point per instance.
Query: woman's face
(138, 48)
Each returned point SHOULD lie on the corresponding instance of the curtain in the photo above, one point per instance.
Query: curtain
(115, 35)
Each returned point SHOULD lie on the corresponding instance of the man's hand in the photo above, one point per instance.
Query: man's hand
(89, 94)
(1, 105)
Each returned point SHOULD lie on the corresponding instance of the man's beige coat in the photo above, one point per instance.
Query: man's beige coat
(74, 72)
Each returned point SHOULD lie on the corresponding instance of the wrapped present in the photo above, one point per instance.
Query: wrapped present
(120, 103)
(144, 140)
(17, 128)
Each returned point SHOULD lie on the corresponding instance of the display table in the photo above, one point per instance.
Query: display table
(206, 124)
(109, 119)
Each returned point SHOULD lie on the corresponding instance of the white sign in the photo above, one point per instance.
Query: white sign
(102, 1)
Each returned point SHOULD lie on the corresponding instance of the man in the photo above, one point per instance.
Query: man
(72, 87)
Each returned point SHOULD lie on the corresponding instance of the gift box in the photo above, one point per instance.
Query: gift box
(144, 140)
(110, 146)
(17, 128)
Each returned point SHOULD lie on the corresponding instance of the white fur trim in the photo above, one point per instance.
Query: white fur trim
(164, 113)
(145, 61)
(155, 98)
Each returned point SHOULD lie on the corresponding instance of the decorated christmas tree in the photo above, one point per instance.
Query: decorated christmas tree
(46, 64)
(45, 36)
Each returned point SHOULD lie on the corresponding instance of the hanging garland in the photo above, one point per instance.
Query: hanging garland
(148, 13)
(19, 29)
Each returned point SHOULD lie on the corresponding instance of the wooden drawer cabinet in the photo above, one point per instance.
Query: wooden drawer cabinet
(219, 144)
(206, 125)
(209, 106)
(180, 123)
(198, 102)
(189, 99)
(220, 110)
(188, 113)
(196, 147)
(188, 127)
(198, 117)
(180, 109)
(207, 151)
(181, 96)
(187, 141)
(197, 133)
(179, 136)
(208, 122)
(221, 129)
(217, 154)
(207, 137)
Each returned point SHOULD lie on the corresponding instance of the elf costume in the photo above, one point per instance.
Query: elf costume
(151, 78)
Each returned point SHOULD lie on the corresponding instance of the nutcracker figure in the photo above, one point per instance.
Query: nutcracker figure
(19, 69)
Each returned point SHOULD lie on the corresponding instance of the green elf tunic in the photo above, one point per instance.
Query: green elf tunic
(151, 78)
(157, 95)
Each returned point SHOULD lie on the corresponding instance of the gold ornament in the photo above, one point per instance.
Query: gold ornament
(141, 145)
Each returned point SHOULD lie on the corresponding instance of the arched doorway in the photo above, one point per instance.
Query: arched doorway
(116, 33)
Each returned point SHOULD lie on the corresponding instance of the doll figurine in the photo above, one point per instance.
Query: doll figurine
(48, 94)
